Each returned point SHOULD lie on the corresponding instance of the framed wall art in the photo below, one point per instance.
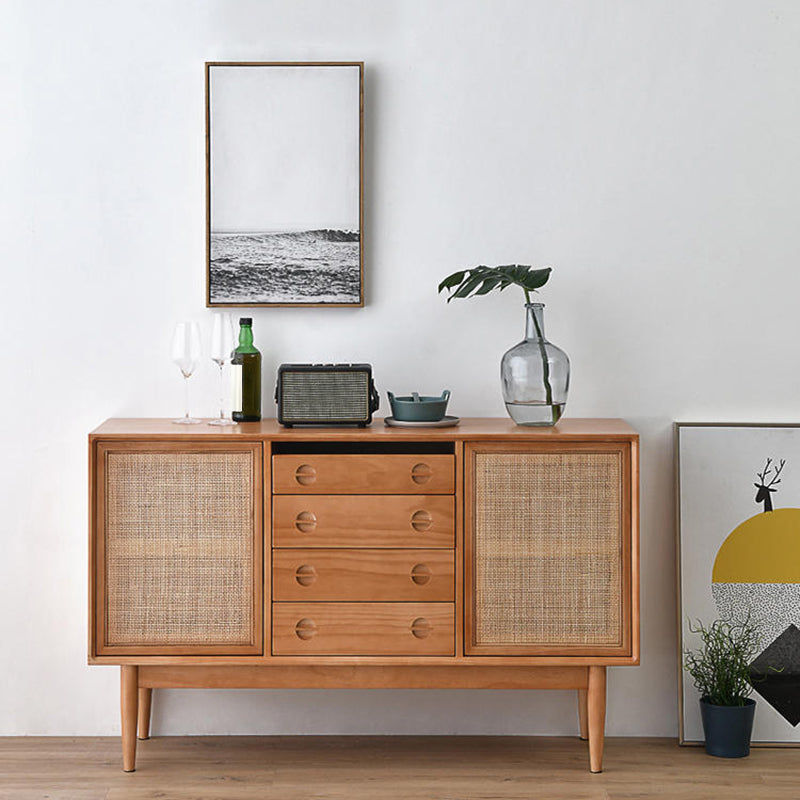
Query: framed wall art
(739, 559)
(284, 179)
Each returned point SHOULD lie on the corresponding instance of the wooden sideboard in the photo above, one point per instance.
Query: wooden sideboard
(486, 555)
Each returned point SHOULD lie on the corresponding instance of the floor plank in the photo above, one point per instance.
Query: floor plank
(384, 767)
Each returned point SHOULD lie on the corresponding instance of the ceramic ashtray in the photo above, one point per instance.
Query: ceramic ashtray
(418, 408)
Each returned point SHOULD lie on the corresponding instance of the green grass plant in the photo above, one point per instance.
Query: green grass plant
(720, 667)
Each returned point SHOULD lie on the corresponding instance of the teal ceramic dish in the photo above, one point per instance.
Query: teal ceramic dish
(418, 408)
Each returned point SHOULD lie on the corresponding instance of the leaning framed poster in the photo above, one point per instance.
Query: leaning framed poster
(738, 489)
(284, 181)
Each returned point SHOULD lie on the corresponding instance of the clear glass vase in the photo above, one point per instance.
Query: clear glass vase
(535, 375)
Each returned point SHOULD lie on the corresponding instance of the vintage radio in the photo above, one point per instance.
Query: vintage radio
(326, 394)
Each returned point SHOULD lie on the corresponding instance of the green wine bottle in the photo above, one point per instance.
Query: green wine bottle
(246, 376)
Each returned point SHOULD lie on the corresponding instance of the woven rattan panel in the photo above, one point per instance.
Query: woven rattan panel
(547, 549)
(179, 548)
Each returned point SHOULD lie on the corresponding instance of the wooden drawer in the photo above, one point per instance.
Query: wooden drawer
(363, 474)
(413, 575)
(363, 521)
(363, 629)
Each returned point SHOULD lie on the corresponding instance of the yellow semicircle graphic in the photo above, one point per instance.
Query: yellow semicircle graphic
(763, 549)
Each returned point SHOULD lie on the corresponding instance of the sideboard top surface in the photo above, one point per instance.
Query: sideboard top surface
(472, 428)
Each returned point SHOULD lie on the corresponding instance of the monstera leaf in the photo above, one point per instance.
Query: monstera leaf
(482, 280)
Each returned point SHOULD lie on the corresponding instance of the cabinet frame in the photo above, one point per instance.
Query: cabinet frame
(143, 669)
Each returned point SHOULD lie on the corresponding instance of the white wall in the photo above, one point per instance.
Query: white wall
(647, 149)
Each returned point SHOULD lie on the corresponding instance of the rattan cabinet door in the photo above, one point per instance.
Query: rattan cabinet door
(548, 549)
(177, 548)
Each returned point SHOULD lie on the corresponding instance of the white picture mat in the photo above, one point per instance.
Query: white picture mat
(717, 468)
(285, 147)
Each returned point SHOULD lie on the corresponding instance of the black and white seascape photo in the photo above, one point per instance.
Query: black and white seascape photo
(284, 184)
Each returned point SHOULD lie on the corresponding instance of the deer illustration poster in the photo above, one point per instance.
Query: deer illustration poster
(739, 559)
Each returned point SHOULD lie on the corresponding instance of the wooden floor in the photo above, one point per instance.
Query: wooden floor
(378, 768)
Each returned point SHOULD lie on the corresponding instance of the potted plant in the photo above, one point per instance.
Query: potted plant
(534, 373)
(720, 669)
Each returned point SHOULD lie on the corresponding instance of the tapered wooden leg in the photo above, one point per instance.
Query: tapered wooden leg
(129, 701)
(583, 714)
(596, 714)
(145, 700)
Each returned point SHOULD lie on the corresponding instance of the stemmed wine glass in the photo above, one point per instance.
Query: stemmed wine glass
(222, 343)
(186, 354)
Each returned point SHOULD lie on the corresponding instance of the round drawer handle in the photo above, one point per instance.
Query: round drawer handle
(305, 629)
(305, 474)
(421, 521)
(420, 574)
(305, 522)
(421, 473)
(421, 628)
(305, 575)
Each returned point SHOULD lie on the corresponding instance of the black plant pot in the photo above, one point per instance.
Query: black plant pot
(728, 728)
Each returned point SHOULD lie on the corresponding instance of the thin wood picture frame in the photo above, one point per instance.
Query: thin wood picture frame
(732, 561)
(284, 183)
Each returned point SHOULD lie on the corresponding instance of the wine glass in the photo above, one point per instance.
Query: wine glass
(186, 354)
(222, 343)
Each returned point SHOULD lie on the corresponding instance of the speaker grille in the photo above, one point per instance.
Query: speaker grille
(325, 396)
(547, 549)
(179, 548)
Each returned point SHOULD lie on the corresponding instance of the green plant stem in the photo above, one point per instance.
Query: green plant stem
(548, 389)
